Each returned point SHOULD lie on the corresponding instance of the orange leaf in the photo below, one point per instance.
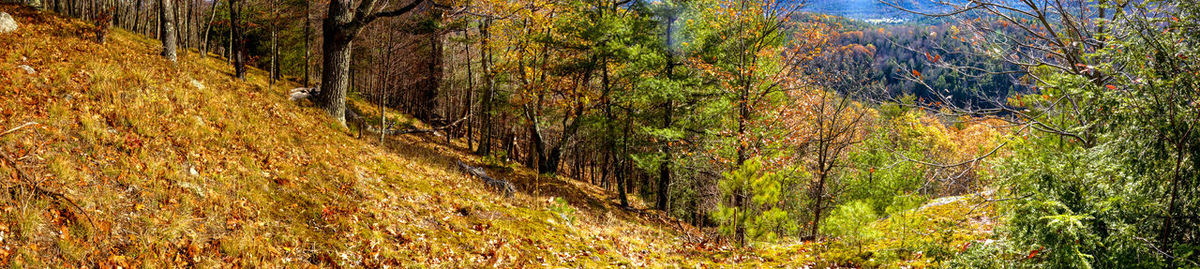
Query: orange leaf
(916, 73)
(1034, 253)
(1111, 87)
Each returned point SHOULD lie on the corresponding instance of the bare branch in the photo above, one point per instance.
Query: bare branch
(10, 131)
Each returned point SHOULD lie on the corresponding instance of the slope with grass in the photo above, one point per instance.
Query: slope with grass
(135, 161)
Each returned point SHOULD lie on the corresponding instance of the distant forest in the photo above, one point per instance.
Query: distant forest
(913, 60)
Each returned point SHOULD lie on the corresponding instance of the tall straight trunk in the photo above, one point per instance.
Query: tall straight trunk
(739, 195)
(485, 142)
(275, 42)
(384, 77)
(189, 31)
(144, 18)
(426, 96)
(470, 91)
(610, 132)
(168, 27)
(664, 168)
(229, 44)
(623, 172)
(158, 27)
(307, 37)
(176, 27)
(137, 17)
(275, 74)
(208, 28)
(239, 41)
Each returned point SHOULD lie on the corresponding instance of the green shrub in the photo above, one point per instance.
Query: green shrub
(763, 218)
(851, 224)
(563, 210)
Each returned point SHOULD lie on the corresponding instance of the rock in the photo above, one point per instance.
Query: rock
(197, 84)
(7, 23)
(298, 94)
(28, 69)
(36, 4)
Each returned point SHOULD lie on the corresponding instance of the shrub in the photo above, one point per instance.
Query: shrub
(850, 223)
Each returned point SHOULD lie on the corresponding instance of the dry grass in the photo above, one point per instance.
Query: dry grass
(233, 175)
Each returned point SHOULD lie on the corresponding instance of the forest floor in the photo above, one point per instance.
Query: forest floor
(138, 162)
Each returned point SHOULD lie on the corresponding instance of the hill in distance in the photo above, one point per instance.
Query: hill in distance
(870, 10)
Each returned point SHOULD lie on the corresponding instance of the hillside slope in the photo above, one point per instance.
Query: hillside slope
(175, 164)
(137, 162)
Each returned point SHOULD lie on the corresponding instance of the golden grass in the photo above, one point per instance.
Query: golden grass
(235, 174)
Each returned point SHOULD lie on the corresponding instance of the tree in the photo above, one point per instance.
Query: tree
(738, 47)
(204, 45)
(836, 123)
(761, 217)
(343, 22)
(166, 15)
(237, 42)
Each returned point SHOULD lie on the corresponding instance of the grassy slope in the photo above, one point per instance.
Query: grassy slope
(169, 173)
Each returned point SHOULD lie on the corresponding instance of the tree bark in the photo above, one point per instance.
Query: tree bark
(623, 174)
(664, 168)
(485, 119)
(275, 76)
(335, 72)
(307, 37)
(208, 28)
(470, 91)
(167, 17)
(238, 42)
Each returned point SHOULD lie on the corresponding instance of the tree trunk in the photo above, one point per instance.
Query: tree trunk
(623, 173)
(189, 32)
(307, 37)
(175, 27)
(485, 142)
(335, 71)
(470, 91)
(208, 28)
(238, 43)
(166, 16)
(817, 208)
(275, 76)
(427, 95)
(664, 168)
